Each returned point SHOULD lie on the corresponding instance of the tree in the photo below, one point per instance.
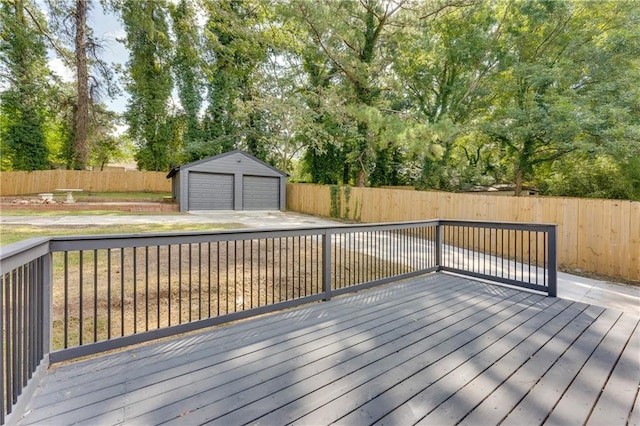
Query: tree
(281, 111)
(580, 175)
(443, 68)
(187, 70)
(72, 40)
(232, 51)
(81, 116)
(556, 56)
(24, 67)
(106, 146)
(352, 49)
(149, 82)
(351, 46)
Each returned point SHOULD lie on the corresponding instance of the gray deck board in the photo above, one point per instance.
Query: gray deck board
(497, 404)
(269, 369)
(235, 378)
(360, 369)
(579, 399)
(292, 380)
(486, 371)
(634, 418)
(618, 394)
(544, 395)
(433, 364)
(437, 349)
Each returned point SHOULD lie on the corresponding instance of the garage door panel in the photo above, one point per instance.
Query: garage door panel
(210, 191)
(260, 193)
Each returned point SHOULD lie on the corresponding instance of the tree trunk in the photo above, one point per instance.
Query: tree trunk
(81, 116)
(361, 178)
(518, 189)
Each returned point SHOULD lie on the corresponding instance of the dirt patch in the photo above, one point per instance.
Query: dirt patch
(599, 277)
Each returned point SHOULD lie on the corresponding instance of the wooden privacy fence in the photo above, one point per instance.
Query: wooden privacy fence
(21, 183)
(598, 236)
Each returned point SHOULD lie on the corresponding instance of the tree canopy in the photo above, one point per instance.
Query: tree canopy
(440, 94)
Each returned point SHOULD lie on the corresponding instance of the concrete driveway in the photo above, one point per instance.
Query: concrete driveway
(571, 287)
(245, 219)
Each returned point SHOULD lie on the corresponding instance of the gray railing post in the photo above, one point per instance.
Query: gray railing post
(553, 261)
(438, 245)
(326, 264)
(47, 304)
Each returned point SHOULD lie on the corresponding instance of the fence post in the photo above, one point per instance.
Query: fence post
(553, 261)
(438, 245)
(326, 264)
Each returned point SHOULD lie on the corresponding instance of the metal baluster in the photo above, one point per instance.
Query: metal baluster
(81, 297)
(109, 294)
(122, 272)
(170, 293)
(179, 283)
(158, 301)
(199, 281)
(146, 288)
(243, 274)
(209, 279)
(190, 280)
(135, 290)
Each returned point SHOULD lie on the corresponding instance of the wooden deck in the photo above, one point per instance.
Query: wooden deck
(437, 349)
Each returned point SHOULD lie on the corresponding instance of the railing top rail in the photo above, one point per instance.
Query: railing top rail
(84, 242)
(103, 241)
(381, 226)
(22, 252)
(498, 224)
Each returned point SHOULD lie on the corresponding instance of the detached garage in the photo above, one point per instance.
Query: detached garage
(231, 181)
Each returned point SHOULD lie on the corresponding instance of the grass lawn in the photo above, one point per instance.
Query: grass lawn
(119, 195)
(32, 212)
(10, 233)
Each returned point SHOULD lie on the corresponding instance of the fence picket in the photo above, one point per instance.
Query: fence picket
(22, 183)
(597, 236)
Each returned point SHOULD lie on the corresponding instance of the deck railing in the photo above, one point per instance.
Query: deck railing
(24, 319)
(65, 297)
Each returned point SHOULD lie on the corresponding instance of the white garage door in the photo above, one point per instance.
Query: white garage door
(260, 193)
(210, 191)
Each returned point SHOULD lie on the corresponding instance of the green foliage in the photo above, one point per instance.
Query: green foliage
(149, 83)
(340, 198)
(188, 70)
(23, 59)
(347, 198)
(444, 95)
(351, 77)
(232, 48)
(335, 209)
(554, 55)
(105, 145)
(600, 177)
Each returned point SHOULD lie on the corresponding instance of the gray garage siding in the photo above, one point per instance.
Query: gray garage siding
(210, 191)
(234, 163)
(260, 193)
(263, 180)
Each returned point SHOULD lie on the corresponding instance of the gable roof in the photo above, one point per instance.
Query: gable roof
(175, 170)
